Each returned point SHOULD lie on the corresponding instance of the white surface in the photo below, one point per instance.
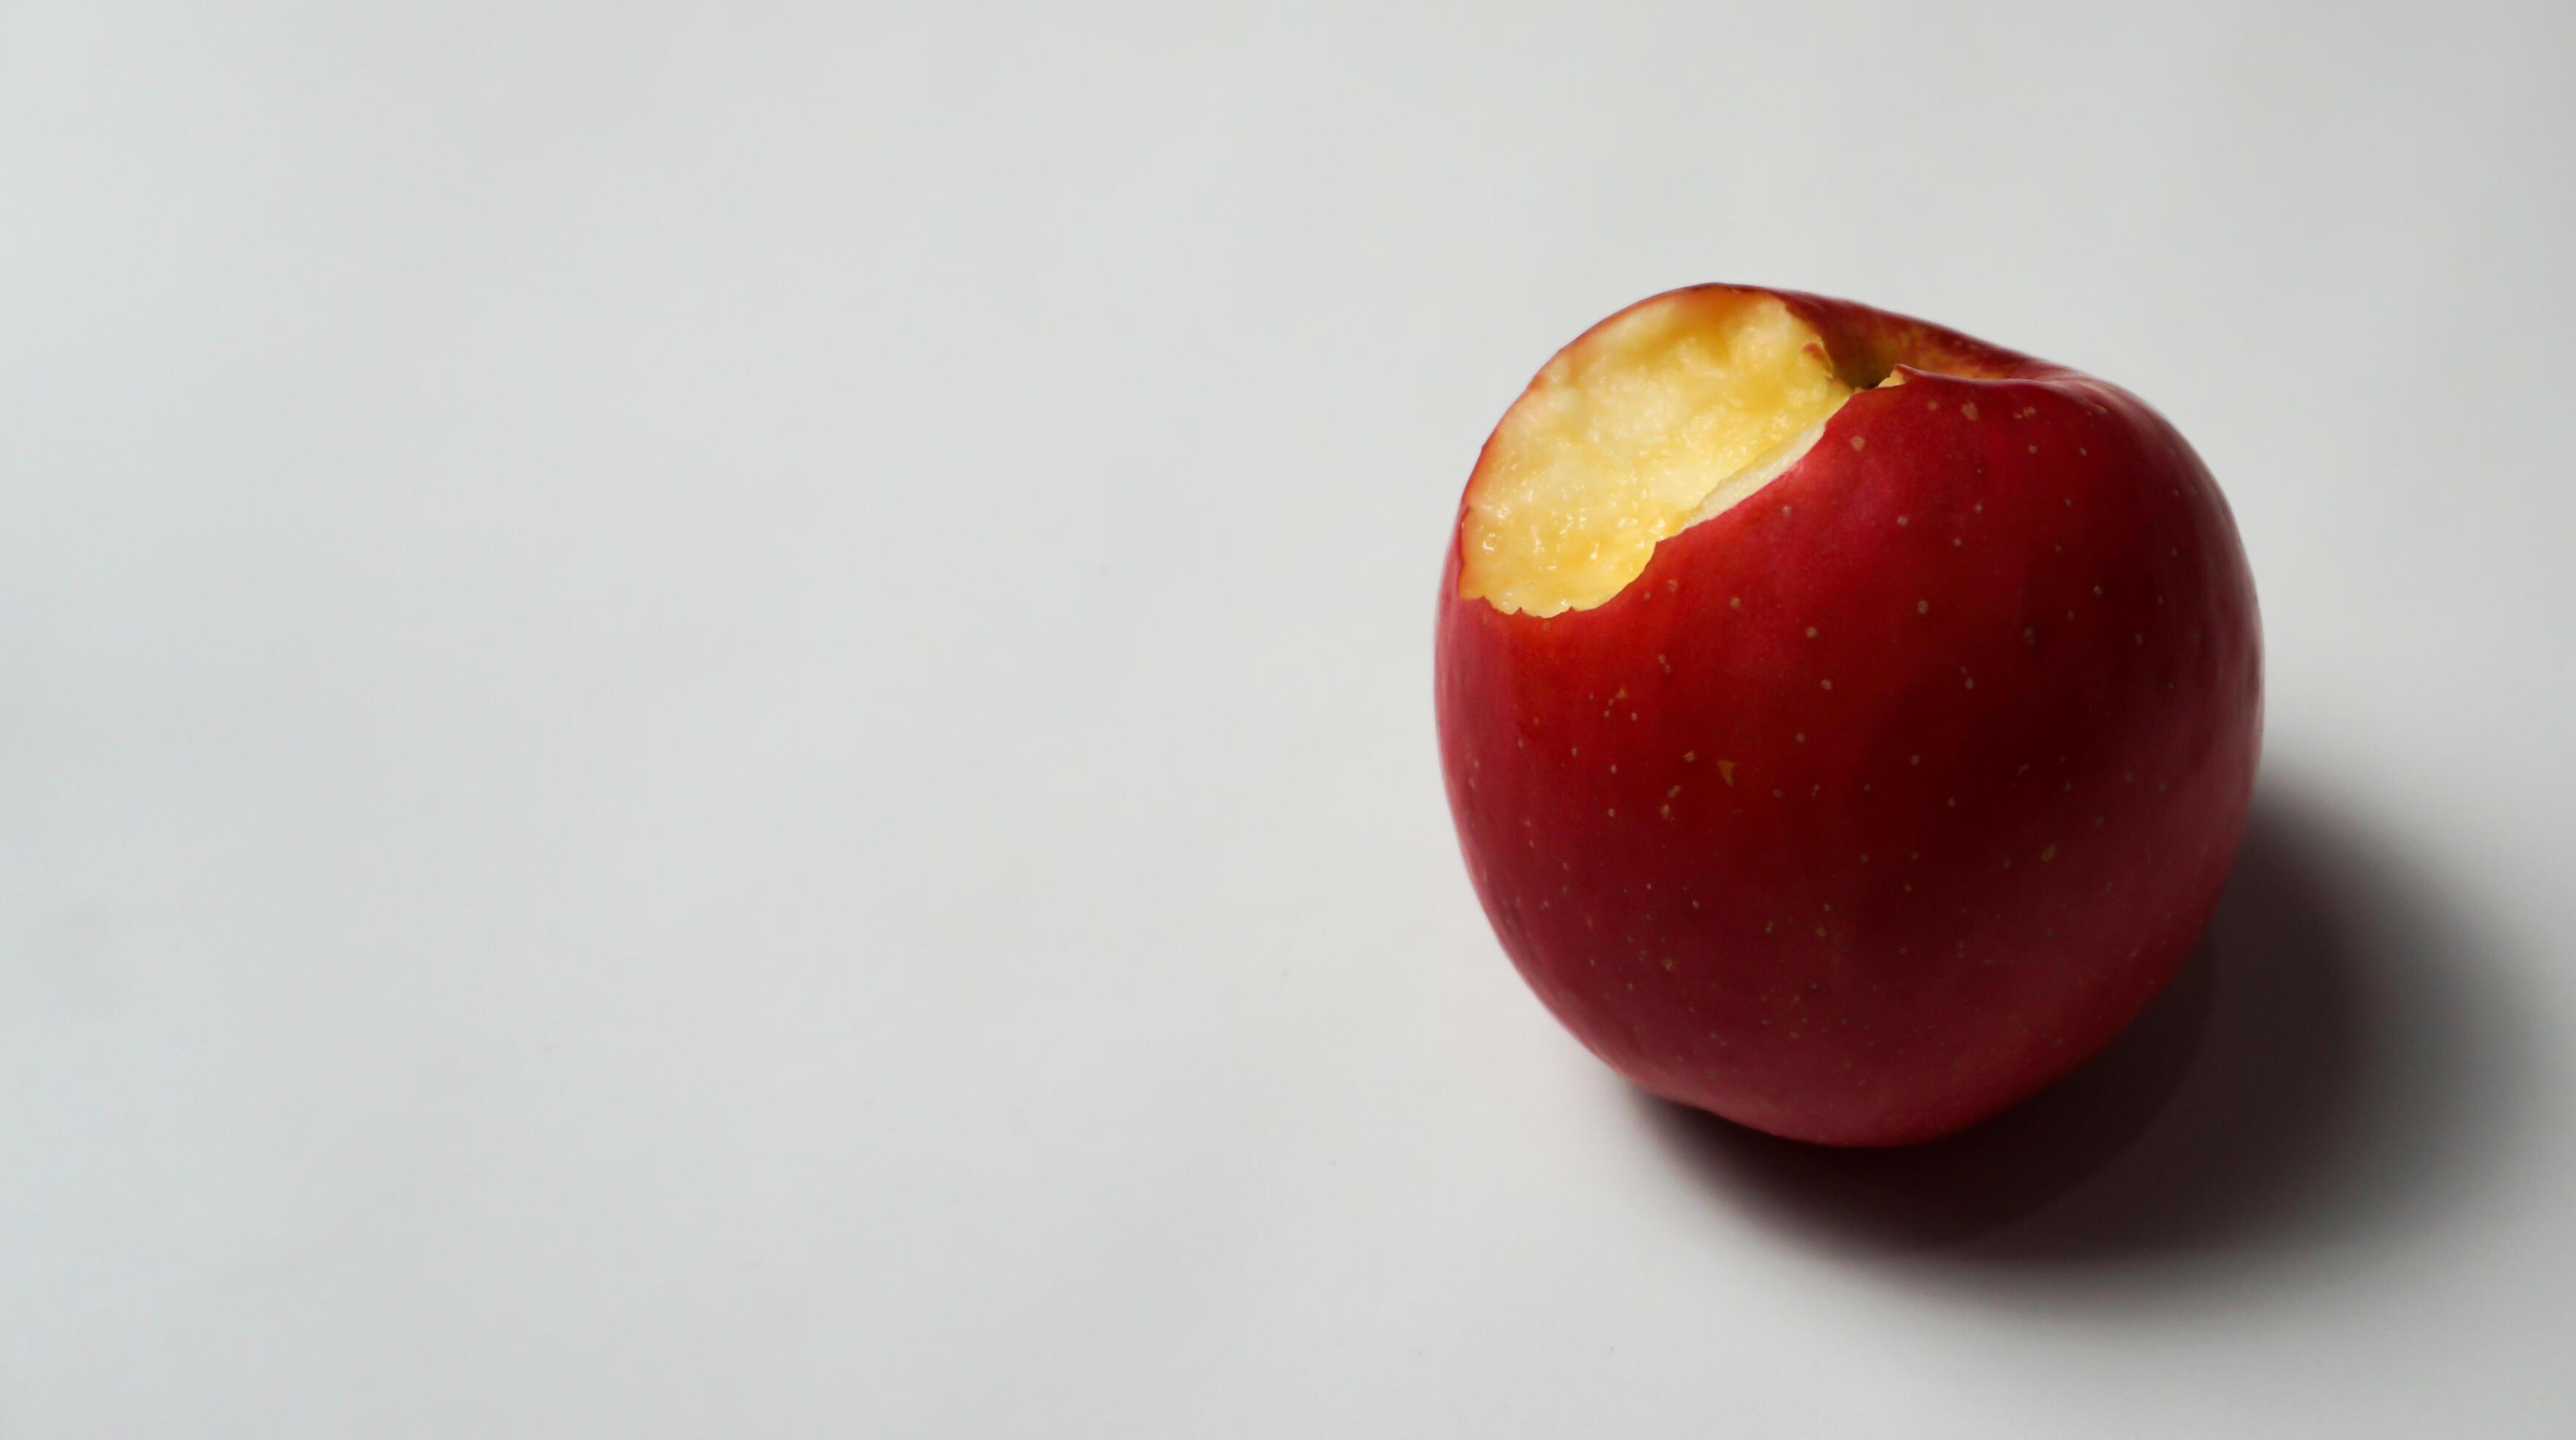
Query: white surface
(719, 724)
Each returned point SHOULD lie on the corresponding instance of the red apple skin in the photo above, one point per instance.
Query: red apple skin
(1885, 798)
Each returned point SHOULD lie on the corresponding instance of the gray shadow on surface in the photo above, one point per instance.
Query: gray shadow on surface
(2336, 1059)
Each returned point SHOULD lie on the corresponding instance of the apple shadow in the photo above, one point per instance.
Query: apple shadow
(2336, 1061)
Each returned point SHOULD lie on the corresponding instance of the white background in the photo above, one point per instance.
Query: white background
(715, 721)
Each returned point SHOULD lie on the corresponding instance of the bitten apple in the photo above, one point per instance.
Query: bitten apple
(1848, 723)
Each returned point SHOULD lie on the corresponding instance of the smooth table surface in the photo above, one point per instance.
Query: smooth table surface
(716, 721)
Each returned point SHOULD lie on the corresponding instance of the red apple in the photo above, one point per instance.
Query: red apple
(1848, 723)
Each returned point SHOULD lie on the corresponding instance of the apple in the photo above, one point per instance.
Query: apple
(1848, 723)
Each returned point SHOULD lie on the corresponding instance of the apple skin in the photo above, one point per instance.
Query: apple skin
(1883, 799)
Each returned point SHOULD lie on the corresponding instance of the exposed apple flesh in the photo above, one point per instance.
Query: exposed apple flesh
(1622, 439)
(1849, 724)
